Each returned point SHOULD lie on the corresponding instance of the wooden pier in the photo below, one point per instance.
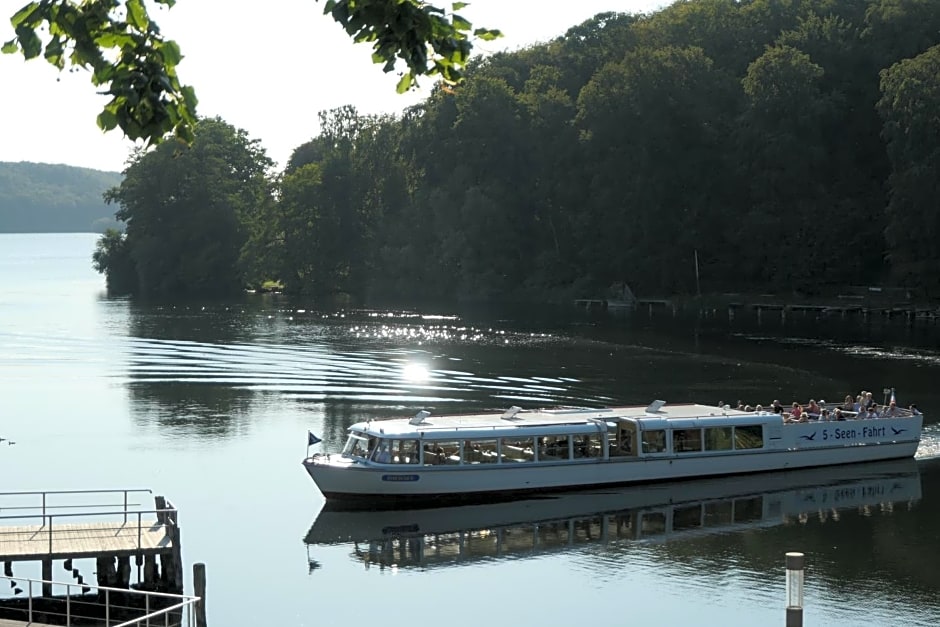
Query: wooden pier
(103, 525)
(36, 542)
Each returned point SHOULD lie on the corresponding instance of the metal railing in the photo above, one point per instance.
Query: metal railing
(46, 496)
(181, 608)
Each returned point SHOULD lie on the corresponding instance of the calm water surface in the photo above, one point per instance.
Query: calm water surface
(209, 404)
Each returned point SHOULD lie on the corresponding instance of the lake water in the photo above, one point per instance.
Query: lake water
(209, 404)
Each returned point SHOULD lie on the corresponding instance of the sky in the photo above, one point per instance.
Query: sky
(267, 68)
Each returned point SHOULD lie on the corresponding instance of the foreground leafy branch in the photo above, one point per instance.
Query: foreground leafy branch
(408, 30)
(127, 55)
(125, 52)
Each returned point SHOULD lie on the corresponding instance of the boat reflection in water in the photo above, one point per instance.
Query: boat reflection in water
(428, 538)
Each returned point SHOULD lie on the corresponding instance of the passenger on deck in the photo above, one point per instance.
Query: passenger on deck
(869, 401)
(812, 408)
(838, 414)
(914, 410)
(892, 410)
(848, 405)
(776, 407)
(796, 411)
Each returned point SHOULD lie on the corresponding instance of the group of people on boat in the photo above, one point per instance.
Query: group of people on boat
(862, 407)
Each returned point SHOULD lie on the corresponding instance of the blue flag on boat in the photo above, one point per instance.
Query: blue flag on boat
(312, 439)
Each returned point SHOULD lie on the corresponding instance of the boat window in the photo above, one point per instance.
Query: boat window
(652, 523)
(441, 453)
(749, 509)
(388, 451)
(751, 436)
(519, 449)
(622, 439)
(622, 525)
(555, 533)
(382, 453)
(409, 451)
(687, 517)
(719, 513)
(654, 441)
(357, 446)
(718, 439)
(553, 448)
(687, 440)
(480, 452)
(587, 446)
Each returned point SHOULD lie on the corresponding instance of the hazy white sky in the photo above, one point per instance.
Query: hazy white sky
(267, 67)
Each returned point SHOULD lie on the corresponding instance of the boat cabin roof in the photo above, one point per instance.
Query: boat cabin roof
(545, 420)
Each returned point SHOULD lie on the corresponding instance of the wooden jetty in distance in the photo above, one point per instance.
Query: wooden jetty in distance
(870, 304)
(100, 525)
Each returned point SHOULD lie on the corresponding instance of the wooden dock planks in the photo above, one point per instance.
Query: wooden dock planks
(83, 540)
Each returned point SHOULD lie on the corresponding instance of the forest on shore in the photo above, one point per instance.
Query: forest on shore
(753, 145)
(54, 198)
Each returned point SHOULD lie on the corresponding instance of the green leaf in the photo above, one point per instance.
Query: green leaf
(137, 15)
(10, 47)
(189, 101)
(460, 23)
(107, 121)
(458, 5)
(171, 53)
(487, 34)
(24, 14)
(29, 41)
(404, 82)
(54, 50)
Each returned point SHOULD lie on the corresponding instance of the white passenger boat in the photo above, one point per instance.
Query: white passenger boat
(480, 457)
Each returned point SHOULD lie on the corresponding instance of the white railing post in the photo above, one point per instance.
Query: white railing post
(795, 589)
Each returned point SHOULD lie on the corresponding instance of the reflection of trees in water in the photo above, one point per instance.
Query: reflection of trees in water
(198, 409)
(218, 322)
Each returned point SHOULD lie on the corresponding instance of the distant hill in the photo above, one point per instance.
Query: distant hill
(44, 198)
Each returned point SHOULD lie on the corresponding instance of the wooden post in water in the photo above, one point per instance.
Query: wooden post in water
(150, 571)
(124, 572)
(199, 588)
(47, 577)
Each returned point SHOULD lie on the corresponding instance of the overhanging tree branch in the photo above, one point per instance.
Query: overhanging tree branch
(127, 55)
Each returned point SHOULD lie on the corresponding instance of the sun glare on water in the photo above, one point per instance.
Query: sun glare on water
(415, 373)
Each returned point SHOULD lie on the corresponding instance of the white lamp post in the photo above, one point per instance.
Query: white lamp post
(795, 589)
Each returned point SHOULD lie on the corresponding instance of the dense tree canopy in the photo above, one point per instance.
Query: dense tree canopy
(770, 146)
(186, 210)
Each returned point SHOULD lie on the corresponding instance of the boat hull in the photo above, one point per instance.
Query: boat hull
(355, 485)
